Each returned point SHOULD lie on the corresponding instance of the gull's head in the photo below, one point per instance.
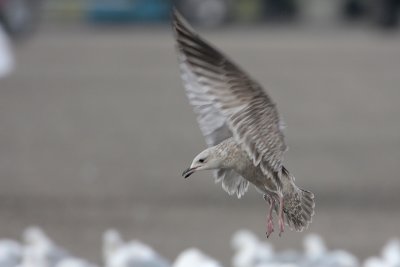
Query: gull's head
(208, 159)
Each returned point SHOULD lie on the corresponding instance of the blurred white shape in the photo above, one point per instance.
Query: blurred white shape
(112, 241)
(39, 250)
(317, 254)
(6, 55)
(342, 258)
(74, 262)
(249, 250)
(278, 264)
(375, 262)
(117, 253)
(288, 257)
(391, 253)
(314, 246)
(10, 253)
(195, 258)
(390, 256)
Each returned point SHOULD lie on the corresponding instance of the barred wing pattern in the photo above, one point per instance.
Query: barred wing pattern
(240, 102)
(212, 125)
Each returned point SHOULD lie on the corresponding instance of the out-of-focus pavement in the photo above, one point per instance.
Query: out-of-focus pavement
(96, 130)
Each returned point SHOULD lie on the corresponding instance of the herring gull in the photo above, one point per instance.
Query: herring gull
(193, 257)
(40, 250)
(242, 128)
(118, 253)
(250, 251)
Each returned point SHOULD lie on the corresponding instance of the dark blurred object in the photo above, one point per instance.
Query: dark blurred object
(385, 13)
(19, 17)
(129, 10)
(280, 9)
(354, 9)
(208, 13)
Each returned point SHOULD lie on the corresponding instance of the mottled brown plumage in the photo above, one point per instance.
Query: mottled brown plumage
(241, 126)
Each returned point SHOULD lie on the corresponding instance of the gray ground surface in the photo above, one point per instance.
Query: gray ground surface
(95, 131)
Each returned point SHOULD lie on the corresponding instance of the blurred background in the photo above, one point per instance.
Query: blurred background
(96, 128)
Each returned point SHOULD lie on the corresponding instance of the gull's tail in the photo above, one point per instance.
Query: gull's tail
(299, 204)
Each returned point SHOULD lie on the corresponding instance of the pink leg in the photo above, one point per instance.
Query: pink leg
(270, 223)
(281, 216)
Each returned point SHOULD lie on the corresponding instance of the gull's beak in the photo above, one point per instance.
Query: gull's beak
(186, 173)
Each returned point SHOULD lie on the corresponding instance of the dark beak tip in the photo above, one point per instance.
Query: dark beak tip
(186, 173)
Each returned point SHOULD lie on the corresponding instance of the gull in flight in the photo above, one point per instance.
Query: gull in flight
(242, 128)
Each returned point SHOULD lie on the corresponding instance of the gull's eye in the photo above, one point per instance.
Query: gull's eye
(202, 160)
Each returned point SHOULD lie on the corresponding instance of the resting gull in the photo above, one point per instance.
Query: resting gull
(118, 253)
(40, 250)
(193, 257)
(242, 128)
(250, 251)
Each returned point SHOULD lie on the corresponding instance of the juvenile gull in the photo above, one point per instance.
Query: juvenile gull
(242, 129)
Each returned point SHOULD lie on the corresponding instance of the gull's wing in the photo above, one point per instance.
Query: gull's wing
(212, 125)
(232, 99)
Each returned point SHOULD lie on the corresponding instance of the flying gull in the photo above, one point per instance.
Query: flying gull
(242, 128)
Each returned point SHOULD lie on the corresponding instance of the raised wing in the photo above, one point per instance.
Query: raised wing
(211, 122)
(213, 126)
(231, 98)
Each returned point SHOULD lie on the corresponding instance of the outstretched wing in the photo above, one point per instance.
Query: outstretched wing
(231, 98)
(211, 122)
(212, 125)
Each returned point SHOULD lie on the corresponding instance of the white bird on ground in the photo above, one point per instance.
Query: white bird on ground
(391, 253)
(242, 128)
(342, 258)
(112, 242)
(249, 250)
(195, 258)
(10, 253)
(314, 247)
(375, 262)
(288, 257)
(390, 256)
(317, 254)
(40, 250)
(74, 262)
(278, 264)
(6, 54)
(117, 253)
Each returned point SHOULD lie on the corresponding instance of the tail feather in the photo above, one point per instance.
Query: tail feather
(299, 209)
(299, 205)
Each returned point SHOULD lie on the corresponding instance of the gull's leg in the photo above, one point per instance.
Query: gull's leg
(270, 223)
(281, 216)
